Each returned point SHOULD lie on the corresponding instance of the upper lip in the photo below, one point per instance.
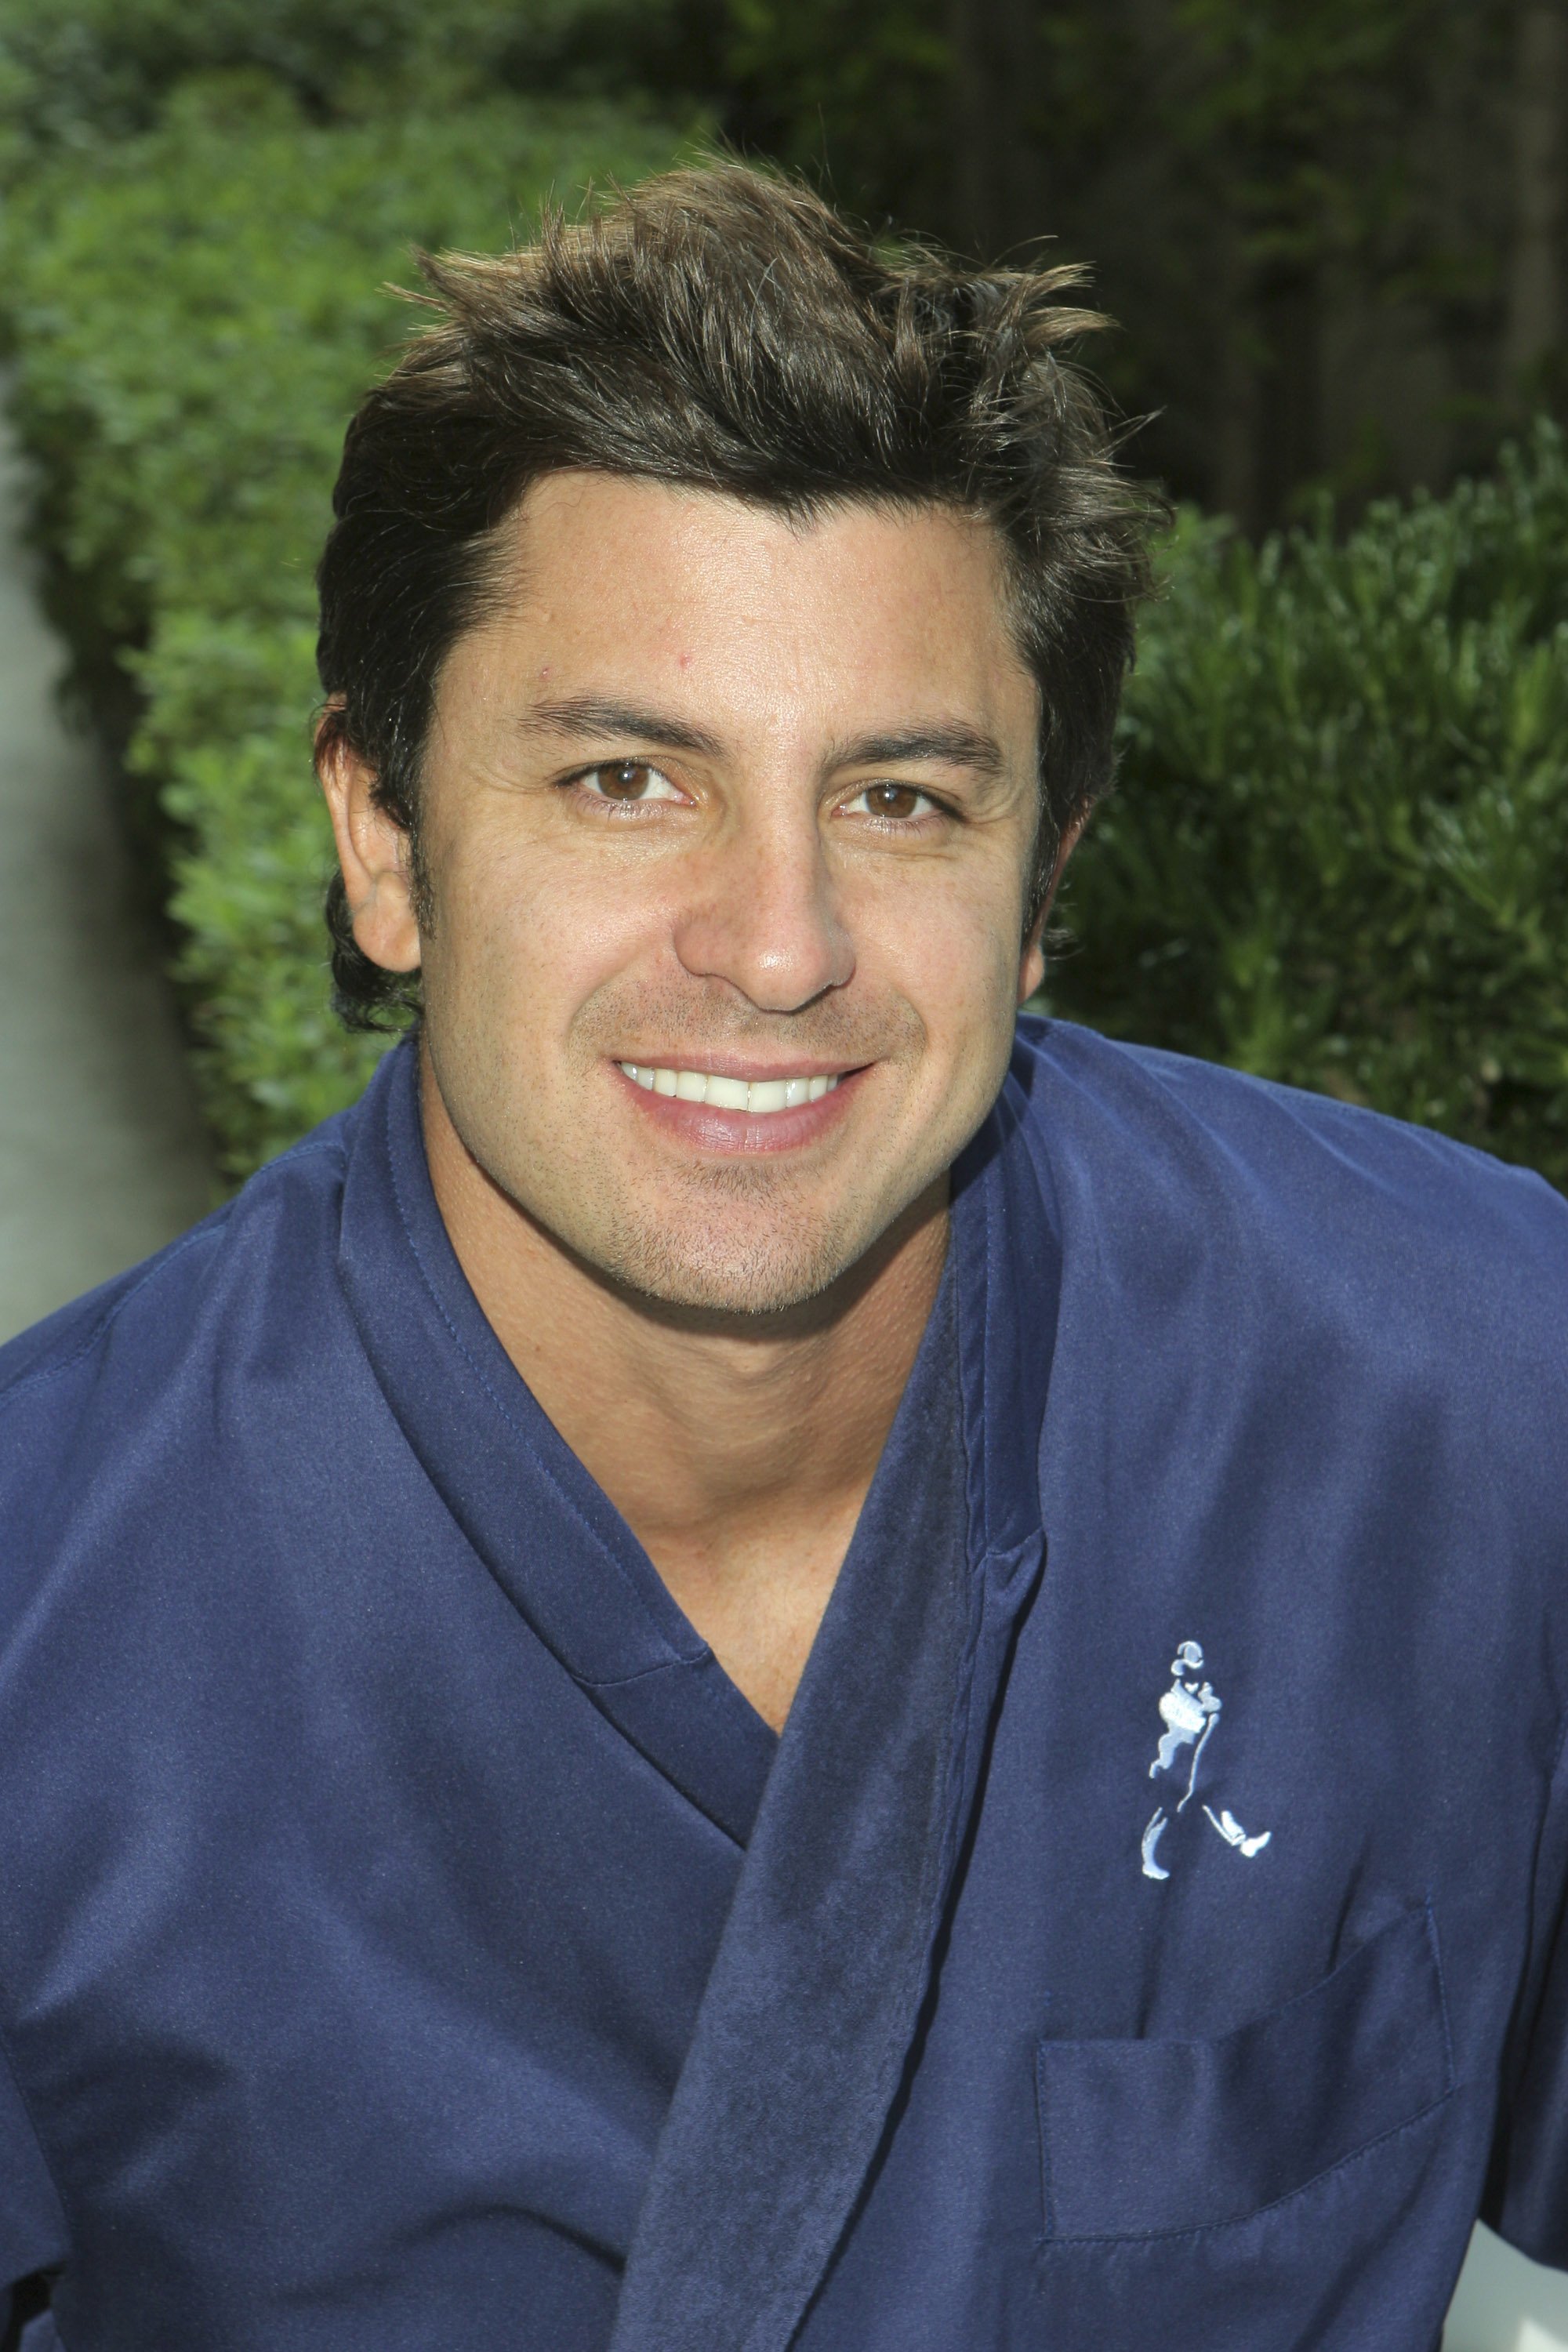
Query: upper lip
(738, 1066)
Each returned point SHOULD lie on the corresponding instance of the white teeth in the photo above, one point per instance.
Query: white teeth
(759, 1096)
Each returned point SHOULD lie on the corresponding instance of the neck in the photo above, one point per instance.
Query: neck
(739, 1450)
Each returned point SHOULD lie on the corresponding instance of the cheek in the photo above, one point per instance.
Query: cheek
(951, 948)
(521, 930)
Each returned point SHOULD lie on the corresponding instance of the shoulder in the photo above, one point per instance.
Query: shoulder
(95, 1377)
(1159, 1155)
(1171, 1115)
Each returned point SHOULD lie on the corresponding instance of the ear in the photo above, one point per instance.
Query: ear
(1032, 964)
(373, 851)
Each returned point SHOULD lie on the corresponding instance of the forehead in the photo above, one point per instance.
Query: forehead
(904, 606)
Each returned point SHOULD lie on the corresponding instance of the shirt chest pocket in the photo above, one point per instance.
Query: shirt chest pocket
(1147, 2139)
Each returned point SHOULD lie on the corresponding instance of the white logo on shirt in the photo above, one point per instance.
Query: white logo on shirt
(1189, 1710)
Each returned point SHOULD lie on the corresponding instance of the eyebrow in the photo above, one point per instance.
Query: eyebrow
(953, 742)
(589, 714)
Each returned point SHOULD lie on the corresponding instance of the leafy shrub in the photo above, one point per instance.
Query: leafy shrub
(76, 72)
(194, 313)
(1339, 854)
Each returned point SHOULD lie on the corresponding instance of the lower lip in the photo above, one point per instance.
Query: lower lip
(704, 1127)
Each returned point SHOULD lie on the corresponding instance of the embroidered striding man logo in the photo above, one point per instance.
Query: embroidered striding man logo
(1190, 1710)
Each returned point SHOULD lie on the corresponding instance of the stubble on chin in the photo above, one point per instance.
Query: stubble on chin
(733, 1244)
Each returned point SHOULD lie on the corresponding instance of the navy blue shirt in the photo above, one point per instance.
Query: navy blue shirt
(1146, 1931)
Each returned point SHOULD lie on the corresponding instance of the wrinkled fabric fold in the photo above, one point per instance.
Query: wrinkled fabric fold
(812, 2000)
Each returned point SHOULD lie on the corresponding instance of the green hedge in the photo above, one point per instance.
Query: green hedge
(194, 312)
(1340, 852)
(76, 72)
(1339, 855)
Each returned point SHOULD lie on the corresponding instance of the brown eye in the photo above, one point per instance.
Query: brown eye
(629, 780)
(626, 780)
(899, 801)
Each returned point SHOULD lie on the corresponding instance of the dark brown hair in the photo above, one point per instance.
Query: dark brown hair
(723, 328)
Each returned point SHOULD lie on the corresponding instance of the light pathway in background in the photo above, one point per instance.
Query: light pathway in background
(102, 1157)
(1507, 2305)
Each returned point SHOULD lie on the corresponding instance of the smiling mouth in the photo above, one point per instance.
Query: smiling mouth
(761, 1097)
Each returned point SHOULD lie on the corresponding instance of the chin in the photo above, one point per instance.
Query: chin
(740, 1274)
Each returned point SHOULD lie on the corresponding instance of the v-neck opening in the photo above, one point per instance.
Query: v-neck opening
(542, 1524)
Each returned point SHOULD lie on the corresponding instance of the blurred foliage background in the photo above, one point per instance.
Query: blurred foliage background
(1334, 234)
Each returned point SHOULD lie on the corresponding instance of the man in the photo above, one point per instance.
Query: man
(583, 1671)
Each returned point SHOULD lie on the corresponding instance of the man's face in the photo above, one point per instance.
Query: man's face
(747, 808)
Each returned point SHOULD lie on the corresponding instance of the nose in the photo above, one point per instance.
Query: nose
(763, 915)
